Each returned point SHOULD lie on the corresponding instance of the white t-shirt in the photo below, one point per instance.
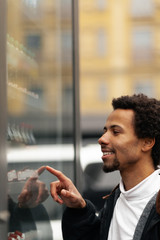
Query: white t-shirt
(130, 205)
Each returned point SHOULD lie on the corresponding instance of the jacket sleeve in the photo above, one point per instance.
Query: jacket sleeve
(81, 224)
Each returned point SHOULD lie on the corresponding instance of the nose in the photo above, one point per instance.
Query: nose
(104, 139)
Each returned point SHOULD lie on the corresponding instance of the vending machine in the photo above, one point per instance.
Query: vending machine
(39, 124)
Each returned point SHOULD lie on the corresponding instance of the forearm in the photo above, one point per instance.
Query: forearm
(80, 224)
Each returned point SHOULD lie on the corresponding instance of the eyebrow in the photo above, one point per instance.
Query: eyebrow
(111, 127)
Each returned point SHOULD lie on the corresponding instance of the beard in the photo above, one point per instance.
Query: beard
(110, 168)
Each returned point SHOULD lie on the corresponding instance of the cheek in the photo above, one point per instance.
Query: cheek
(128, 151)
(121, 145)
(126, 147)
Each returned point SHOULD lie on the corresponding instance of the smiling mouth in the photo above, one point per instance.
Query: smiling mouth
(107, 153)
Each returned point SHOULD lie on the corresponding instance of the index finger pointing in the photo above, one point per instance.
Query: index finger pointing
(40, 170)
(56, 173)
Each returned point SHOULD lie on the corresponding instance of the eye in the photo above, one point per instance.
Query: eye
(115, 132)
(104, 130)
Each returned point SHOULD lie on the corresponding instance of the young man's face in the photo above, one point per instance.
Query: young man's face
(120, 146)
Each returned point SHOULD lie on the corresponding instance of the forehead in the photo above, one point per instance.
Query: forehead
(121, 117)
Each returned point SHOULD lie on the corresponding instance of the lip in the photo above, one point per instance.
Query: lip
(107, 153)
(106, 149)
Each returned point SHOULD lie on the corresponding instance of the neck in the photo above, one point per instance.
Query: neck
(133, 177)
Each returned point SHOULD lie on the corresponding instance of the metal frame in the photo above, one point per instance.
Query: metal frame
(76, 101)
(3, 120)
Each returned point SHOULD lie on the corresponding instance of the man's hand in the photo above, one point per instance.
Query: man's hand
(63, 191)
(34, 191)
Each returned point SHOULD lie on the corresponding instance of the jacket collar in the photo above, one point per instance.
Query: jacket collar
(157, 199)
(158, 203)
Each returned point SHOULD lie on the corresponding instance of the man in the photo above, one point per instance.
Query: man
(131, 144)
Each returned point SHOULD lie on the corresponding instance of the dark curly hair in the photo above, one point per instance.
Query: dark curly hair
(147, 118)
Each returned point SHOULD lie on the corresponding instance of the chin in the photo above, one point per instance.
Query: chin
(107, 169)
(111, 168)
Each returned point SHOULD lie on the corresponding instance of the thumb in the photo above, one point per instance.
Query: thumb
(67, 196)
(70, 199)
(65, 193)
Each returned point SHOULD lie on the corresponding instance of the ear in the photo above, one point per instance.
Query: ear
(148, 144)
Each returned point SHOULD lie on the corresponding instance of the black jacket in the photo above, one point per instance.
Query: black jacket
(86, 224)
(26, 219)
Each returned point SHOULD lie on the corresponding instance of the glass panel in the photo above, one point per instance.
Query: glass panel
(40, 114)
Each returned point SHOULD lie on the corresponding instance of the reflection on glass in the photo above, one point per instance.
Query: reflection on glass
(40, 117)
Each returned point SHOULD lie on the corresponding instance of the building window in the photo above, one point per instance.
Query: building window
(142, 8)
(102, 91)
(67, 99)
(101, 4)
(33, 41)
(66, 47)
(35, 98)
(32, 9)
(101, 42)
(146, 87)
(66, 10)
(142, 44)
